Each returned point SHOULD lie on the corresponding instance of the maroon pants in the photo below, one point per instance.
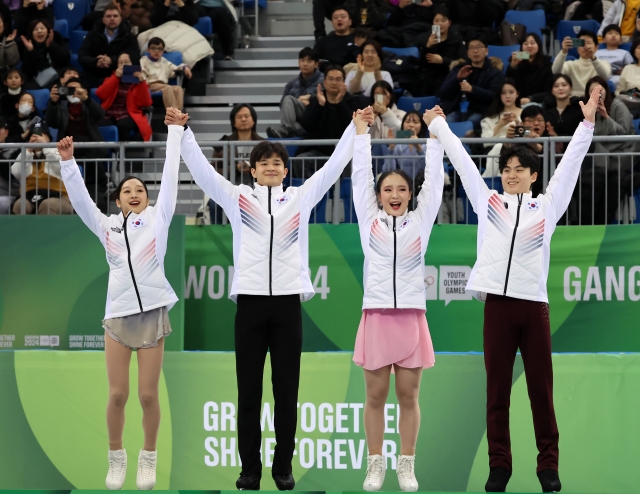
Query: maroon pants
(509, 324)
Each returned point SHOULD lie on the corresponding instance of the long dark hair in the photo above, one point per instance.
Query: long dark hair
(540, 57)
(497, 106)
(387, 87)
(116, 193)
(236, 109)
(423, 126)
(608, 97)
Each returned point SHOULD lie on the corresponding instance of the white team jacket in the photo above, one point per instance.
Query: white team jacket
(135, 246)
(394, 246)
(270, 225)
(514, 231)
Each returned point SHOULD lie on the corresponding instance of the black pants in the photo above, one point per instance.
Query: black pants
(224, 25)
(321, 10)
(271, 324)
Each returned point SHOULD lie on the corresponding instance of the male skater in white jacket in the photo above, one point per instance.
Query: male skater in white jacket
(510, 274)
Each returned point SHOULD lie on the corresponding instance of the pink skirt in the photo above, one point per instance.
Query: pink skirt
(393, 336)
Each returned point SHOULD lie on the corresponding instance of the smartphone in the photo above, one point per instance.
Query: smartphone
(127, 74)
(523, 55)
(522, 131)
(37, 129)
(508, 114)
(435, 29)
(577, 42)
(380, 98)
(404, 134)
(66, 91)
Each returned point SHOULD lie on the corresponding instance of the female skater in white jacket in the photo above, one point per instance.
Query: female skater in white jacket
(393, 332)
(138, 297)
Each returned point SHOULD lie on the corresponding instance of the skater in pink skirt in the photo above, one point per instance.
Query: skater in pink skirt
(393, 335)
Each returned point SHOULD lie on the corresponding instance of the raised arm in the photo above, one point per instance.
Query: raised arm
(362, 180)
(89, 213)
(168, 195)
(564, 180)
(472, 181)
(320, 182)
(430, 195)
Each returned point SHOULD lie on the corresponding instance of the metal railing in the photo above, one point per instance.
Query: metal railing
(605, 191)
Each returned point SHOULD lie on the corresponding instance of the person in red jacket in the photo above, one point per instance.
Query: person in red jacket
(123, 102)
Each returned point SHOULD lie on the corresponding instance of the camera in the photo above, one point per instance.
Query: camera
(66, 91)
(522, 131)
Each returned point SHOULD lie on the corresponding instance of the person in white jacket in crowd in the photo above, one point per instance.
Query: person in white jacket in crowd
(138, 296)
(271, 278)
(510, 275)
(393, 332)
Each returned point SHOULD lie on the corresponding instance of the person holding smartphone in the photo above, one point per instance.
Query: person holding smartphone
(407, 157)
(586, 67)
(531, 70)
(388, 116)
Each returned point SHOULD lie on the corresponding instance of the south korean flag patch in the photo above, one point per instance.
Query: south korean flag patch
(533, 205)
(137, 223)
(282, 200)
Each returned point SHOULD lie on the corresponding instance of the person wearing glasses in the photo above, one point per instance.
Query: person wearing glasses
(469, 89)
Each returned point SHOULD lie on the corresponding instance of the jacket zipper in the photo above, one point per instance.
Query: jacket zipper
(513, 242)
(135, 285)
(270, 246)
(395, 302)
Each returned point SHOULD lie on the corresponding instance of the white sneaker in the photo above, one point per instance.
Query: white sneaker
(376, 468)
(146, 478)
(406, 473)
(117, 469)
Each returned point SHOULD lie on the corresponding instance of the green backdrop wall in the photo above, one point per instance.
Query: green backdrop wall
(594, 289)
(53, 433)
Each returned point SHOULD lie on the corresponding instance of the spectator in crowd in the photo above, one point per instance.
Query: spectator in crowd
(338, 47)
(102, 46)
(562, 111)
(586, 67)
(533, 120)
(326, 117)
(323, 9)
(368, 69)
(137, 13)
(407, 21)
(9, 54)
(224, 23)
(45, 192)
(371, 14)
(43, 55)
(436, 56)
(612, 53)
(630, 77)
(13, 81)
(9, 187)
(474, 82)
(66, 73)
(388, 116)
(21, 123)
(623, 13)
(586, 10)
(503, 113)
(30, 11)
(174, 10)
(123, 102)
(602, 178)
(157, 71)
(407, 157)
(297, 94)
(244, 121)
(79, 116)
(477, 19)
(532, 76)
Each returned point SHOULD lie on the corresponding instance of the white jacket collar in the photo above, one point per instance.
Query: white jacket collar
(514, 197)
(399, 219)
(263, 190)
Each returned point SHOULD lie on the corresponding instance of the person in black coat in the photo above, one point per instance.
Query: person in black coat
(533, 77)
(339, 46)
(43, 49)
(407, 23)
(436, 57)
(477, 80)
(174, 10)
(21, 122)
(99, 56)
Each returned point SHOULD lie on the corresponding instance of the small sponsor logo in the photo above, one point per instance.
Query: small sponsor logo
(116, 229)
(385, 221)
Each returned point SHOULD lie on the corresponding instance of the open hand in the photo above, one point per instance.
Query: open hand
(12, 36)
(322, 99)
(550, 130)
(465, 72)
(65, 148)
(28, 44)
(589, 109)
(342, 93)
(49, 37)
(360, 63)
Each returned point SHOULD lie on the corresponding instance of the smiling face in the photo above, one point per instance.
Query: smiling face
(394, 195)
(517, 179)
(270, 172)
(530, 46)
(370, 56)
(341, 22)
(40, 33)
(508, 95)
(561, 89)
(133, 197)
